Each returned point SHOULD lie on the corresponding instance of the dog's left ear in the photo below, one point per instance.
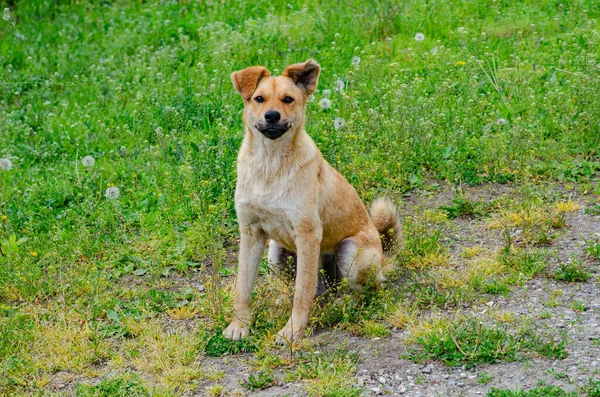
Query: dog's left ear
(305, 75)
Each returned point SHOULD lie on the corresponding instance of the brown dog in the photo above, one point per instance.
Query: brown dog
(288, 193)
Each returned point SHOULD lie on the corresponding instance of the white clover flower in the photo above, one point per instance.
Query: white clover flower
(88, 161)
(311, 98)
(112, 193)
(6, 14)
(419, 37)
(5, 164)
(339, 123)
(324, 103)
(339, 85)
(501, 121)
(326, 93)
(355, 61)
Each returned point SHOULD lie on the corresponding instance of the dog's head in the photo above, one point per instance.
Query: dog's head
(276, 105)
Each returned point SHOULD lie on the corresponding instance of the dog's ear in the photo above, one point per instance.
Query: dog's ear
(245, 81)
(305, 75)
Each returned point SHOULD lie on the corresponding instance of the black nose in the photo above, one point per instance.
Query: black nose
(272, 116)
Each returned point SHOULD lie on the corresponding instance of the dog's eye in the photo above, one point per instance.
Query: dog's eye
(288, 99)
(259, 99)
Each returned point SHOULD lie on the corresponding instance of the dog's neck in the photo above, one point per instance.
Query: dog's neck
(274, 156)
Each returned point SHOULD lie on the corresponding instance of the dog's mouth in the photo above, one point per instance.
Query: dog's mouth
(273, 131)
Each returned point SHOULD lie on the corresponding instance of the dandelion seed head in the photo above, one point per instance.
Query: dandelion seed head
(339, 123)
(112, 193)
(88, 161)
(6, 14)
(324, 103)
(501, 121)
(419, 37)
(355, 61)
(5, 164)
(339, 85)
(326, 93)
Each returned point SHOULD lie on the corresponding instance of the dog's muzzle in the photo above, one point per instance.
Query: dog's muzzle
(273, 131)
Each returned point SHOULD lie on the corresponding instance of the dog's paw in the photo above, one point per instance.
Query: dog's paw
(236, 331)
(287, 336)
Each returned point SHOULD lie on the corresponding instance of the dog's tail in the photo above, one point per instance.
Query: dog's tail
(385, 217)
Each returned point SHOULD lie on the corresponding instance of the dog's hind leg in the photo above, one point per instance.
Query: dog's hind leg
(359, 257)
(284, 264)
(282, 260)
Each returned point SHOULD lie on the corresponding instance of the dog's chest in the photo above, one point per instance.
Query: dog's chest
(275, 217)
(275, 208)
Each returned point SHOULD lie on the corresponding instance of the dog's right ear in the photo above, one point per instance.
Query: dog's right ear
(245, 81)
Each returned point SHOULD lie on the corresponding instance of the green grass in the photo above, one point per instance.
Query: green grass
(497, 91)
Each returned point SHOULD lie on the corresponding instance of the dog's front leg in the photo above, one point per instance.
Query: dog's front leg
(252, 246)
(308, 245)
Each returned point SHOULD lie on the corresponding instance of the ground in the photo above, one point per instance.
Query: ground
(118, 234)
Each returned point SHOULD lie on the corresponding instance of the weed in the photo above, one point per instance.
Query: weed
(573, 272)
(423, 241)
(524, 263)
(329, 373)
(468, 342)
(217, 345)
(579, 306)
(463, 206)
(593, 210)
(592, 389)
(258, 381)
(484, 377)
(539, 391)
(115, 387)
(592, 249)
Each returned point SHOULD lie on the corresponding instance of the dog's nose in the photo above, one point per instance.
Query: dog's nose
(272, 116)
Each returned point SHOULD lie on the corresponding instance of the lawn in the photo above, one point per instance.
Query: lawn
(119, 131)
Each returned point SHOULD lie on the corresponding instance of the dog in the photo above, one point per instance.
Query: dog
(288, 193)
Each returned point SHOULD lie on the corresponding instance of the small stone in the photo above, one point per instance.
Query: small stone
(427, 369)
(402, 389)
(382, 380)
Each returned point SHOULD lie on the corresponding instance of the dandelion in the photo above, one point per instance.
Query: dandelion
(339, 123)
(4, 217)
(339, 85)
(5, 164)
(112, 193)
(460, 63)
(356, 61)
(326, 93)
(501, 121)
(33, 253)
(88, 161)
(419, 37)
(324, 103)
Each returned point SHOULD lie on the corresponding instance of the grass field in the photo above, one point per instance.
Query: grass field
(116, 273)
